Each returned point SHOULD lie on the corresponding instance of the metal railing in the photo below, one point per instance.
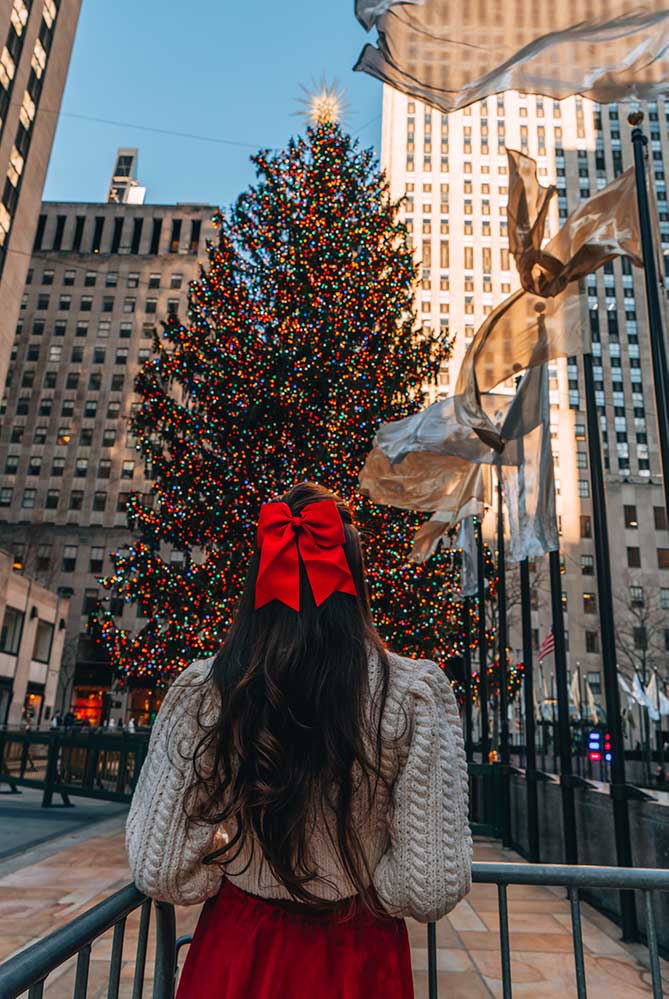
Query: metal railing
(29, 969)
(68, 762)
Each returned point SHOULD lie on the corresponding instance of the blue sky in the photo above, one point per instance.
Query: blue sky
(229, 71)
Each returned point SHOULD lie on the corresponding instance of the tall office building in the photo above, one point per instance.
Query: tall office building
(452, 172)
(101, 277)
(36, 37)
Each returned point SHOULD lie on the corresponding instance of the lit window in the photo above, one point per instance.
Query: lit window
(38, 61)
(19, 16)
(15, 167)
(49, 12)
(5, 223)
(7, 68)
(27, 112)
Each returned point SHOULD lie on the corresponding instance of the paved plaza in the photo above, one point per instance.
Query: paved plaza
(53, 882)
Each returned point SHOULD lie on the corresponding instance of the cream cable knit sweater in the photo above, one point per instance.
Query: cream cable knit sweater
(418, 844)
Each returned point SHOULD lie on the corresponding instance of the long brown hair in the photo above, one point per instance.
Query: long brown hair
(297, 725)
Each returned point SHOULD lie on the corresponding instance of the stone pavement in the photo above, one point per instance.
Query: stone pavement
(51, 884)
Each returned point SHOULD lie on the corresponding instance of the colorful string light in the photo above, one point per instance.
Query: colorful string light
(301, 338)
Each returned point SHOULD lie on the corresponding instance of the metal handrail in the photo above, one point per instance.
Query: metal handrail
(28, 970)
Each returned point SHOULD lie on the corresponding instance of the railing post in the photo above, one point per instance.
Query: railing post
(51, 769)
(165, 969)
(530, 730)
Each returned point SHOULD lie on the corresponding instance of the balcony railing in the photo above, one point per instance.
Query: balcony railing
(28, 971)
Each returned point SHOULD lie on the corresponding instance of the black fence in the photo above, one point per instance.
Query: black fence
(29, 970)
(73, 762)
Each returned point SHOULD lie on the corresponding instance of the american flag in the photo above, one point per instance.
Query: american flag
(547, 646)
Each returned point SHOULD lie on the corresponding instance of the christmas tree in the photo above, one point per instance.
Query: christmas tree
(301, 338)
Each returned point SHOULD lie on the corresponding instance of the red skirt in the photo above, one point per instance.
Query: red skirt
(247, 947)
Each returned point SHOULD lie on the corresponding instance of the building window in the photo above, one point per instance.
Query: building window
(104, 328)
(109, 437)
(43, 559)
(121, 355)
(129, 304)
(11, 631)
(86, 437)
(28, 502)
(90, 601)
(176, 280)
(99, 354)
(69, 558)
(76, 499)
(127, 469)
(57, 467)
(175, 237)
(583, 488)
(172, 306)
(636, 596)
(90, 278)
(581, 459)
(104, 468)
(631, 517)
(640, 638)
(99, 502)
(117, 383)
(107, 304)
(52, 499)
(96, 561)
(81, 468)
(6, 496)
(660, 515)
(591, 641)
(125, 331)
(663, 558)
(151, 305)
(634, 558)
(122, 503)
(86, 303)
(113, 409)
(195, 230)
(133, 280)
(111, 279)
(34, 464)
(90, 409)
(595, 683)
(589, 603)
(39, 437)
(587, 565)
(43, 640)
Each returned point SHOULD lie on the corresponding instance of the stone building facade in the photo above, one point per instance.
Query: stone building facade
(36, 38)
(451, 171)
(101, 277)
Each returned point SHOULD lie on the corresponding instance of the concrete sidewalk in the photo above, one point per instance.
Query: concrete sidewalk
(25, 824)
(58, 881)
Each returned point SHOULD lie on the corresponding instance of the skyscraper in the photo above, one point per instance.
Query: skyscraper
(101, 277)
(36, 37)
(452, 172)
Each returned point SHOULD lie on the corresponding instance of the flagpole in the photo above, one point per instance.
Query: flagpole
(655, 327)
(501, 644)
(530, 728)
(560, 653)
(483, 649)
(618, 789)
(469, 734)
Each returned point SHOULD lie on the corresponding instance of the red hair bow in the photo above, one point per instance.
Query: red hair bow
(317, 537)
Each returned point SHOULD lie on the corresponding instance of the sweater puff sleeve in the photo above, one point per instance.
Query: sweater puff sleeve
(164, 850)
(426, 869)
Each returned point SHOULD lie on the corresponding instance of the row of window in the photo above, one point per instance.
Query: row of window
(116, 384)
(82, 328)
(64, 436)
(75, 499)
(35, 462)
(107, 305)
(11, 634)
(29, 105)
(90, 411)
(633, 560)
(111, 278)
(122, 240)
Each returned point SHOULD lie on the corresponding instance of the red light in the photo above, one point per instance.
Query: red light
(595, 757)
